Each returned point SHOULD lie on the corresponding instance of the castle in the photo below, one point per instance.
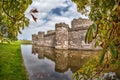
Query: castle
(64, 37)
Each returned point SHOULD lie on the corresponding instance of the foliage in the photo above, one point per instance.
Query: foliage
(86, 71)
(105, 30)
(3, 40)
(91, 70)
(4, 34)
(13, 17)
(11, 62)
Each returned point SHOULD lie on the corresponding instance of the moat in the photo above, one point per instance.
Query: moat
(44, 63)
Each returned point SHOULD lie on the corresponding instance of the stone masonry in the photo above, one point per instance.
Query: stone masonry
(61, 36)
(64, 37)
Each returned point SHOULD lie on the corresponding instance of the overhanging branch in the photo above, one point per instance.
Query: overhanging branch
(5, 11)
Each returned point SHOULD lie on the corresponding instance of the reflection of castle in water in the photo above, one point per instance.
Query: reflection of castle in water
(64, 59)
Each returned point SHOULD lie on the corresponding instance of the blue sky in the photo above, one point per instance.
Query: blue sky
(49, 13)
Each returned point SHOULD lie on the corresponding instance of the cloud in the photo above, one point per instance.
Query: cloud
(50, 13)
(59, 10)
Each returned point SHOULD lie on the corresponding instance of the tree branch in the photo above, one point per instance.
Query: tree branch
(5, 11)
(101, 69)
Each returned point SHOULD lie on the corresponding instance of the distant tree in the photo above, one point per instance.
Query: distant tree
(12, 16)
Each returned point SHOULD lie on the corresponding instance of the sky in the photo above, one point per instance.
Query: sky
(49, 13)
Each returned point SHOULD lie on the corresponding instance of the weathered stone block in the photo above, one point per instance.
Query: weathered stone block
(61, 36)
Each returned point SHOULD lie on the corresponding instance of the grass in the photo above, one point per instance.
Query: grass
(11, 62)
(26, 41)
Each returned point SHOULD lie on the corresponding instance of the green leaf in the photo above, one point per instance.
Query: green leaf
(113, 50)
(94, 27)
(115, 6)
(96, 43)
(102, 54)
(76, 76)
(89, 35)
(103, 32)
(12, 15)
(20, 32)
(100, 2)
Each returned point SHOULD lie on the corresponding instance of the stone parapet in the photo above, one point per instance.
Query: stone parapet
(50, 32)
(80, 22)
(41, 34)
(62, 25)
(79, 28)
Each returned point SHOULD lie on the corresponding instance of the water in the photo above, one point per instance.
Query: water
(45, 63)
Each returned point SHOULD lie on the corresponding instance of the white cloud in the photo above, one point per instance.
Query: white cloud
(44, 7)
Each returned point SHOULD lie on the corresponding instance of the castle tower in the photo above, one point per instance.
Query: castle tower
(61, 36)
(41, 38)
(34, 39)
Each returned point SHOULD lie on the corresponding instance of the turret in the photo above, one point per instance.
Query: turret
(41, 38)
(61, 36)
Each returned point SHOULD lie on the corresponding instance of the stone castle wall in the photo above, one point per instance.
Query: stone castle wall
(49, 39)
(64, 37)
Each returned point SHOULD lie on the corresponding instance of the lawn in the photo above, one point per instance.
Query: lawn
(11, 62)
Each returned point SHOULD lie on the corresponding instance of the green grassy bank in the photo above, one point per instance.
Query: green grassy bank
(11, 62)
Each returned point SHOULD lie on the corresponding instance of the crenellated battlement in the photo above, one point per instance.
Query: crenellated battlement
(50, 32)
(61, 25)
(41, 34)
(81, 23)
